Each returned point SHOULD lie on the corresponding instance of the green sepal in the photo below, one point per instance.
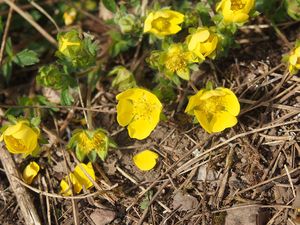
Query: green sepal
(80, 154)
(92, 156)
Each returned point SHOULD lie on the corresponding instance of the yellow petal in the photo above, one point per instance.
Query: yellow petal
(222, 120)
(230, 101)
(65, 188)
(147, 23)
(173, 29)
(145, 160)
(175, 17)
(13, 129)
(28, 137)
(15, 146)
(184, 74)
(293, 60)
(131, 93)
(297, 51)
(194, 101)
(30, 171)
(204, 119)
(141, 128)
(81, 177)
(77, 186)
(124, 112)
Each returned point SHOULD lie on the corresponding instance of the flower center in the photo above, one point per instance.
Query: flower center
(15, 143)
(237, 5)
(213, 105)
(175, 62)
(142, 108)
(66, 43)
(161, 24)
(87, 145)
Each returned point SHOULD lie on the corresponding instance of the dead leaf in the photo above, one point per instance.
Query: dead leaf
(52, 95)
(102, 216)
(296, 202)
(184, 201)
(104, 13)
(245, 216)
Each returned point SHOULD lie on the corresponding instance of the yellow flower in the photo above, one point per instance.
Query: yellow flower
(87, 141)
(235, 11)
(69, 16)
(78, 179)
(21, 138)
(30, 171)
(294, 61)
(69, 43)
(140, 110)
(176, 61)
(215, 109)
(163, 22)
(203, 43)
(145, 160)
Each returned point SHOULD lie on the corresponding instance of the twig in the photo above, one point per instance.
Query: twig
(290, 180)
(4, 38)
(24, 200)
(38, 7)
(30, 20)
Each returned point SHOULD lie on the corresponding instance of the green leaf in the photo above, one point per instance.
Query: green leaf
(35, 121)
(26, 58)
(12, 119)
(146, 200)
(66, 97)
(92, 156)
(110, 5)
(7, 70)
(8, 48)
(80, 155)
(102, 153)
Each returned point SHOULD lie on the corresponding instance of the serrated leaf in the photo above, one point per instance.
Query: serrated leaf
(110, 5)
(26, 58)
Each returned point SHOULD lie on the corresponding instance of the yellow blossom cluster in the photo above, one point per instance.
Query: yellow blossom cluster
(78, 179)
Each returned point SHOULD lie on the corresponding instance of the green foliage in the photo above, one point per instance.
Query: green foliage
(66, 97)
(293, 8)
(164, 90)
(146, 200)
(90, 143)
(124, 78)
(54, 77)
(273, 9)
(37, 100)
(110, 5)
(120, 43)
(26, 58)
(77, 50)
